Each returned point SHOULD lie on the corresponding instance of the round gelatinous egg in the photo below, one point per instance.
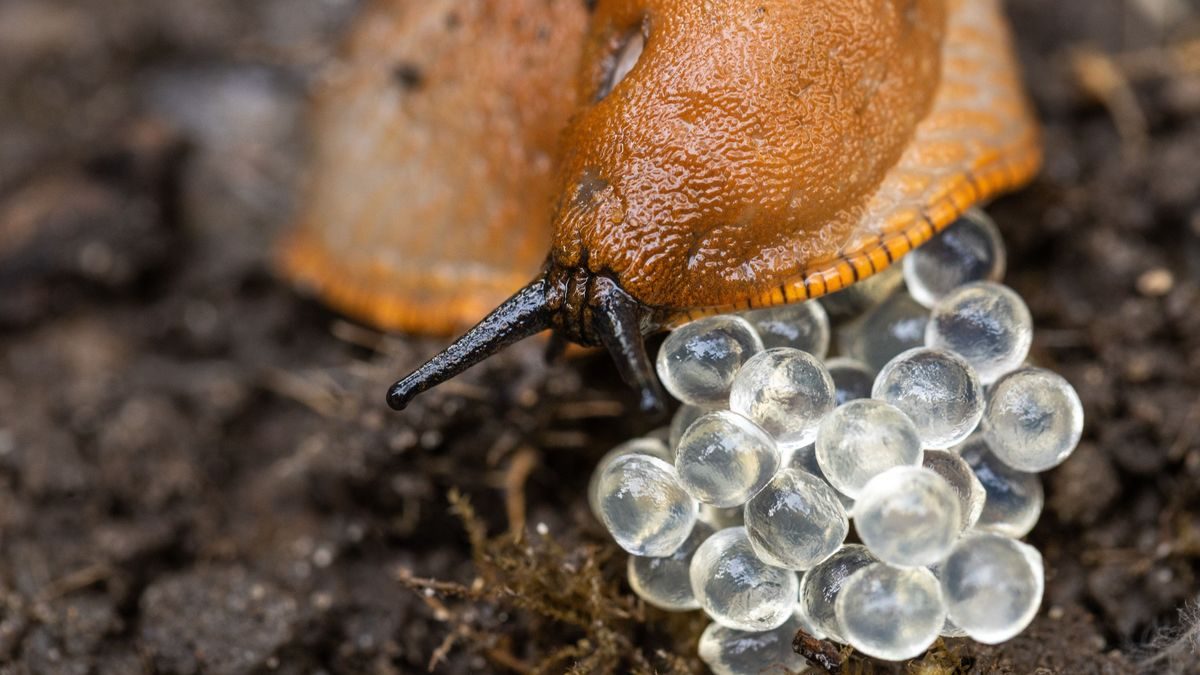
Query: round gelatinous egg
(1034, 419)
(721, 518)
(645, 446)
(800, 325)
(698, 360)
(820, 586)
(643, 505)
(852, 379)
(992, 586)
(737, 589)
(985, 323)
(796, 520)
(805, 459)
(728, 651)
(1014, 498)
(787, 392)
(969, 250)
(724, 458)
(680, 421)
(862, 439)
(893, 327)
(938, 390)
(891, 613)
(664, 582)
(908, 516)
(958, 474)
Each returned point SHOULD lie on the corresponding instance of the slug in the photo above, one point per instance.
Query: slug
(730, 154)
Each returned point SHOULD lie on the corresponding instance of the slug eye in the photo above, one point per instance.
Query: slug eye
(624, 57)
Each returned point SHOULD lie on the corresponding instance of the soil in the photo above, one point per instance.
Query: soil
(198, 474)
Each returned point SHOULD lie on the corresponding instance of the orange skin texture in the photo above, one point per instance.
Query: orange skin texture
(743, 143)
(757, 153)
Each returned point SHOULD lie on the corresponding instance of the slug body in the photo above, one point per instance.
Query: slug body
(731, 154)
(432, 174)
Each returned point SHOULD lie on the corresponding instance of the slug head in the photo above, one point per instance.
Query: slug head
(579, 306)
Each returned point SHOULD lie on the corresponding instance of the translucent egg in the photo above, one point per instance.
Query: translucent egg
(721, 518)
(680, 421)
(820, 586)
(891, 613)
(958, 474)
(893, 327)
(724, 458)
(801, 325)
(787, 392)
(938, 390)
(864, 295)
(737, 589)
(727, 651)
(969, 250)
(645, 446)
(698, 360)
(664, 582)
(908, 516)
(805, 459)
(852, 379)
(861, 440)
(796, 520)
(992, 586)
(1034, 419)
(1014, 498)
(643, 505)
(985, 323)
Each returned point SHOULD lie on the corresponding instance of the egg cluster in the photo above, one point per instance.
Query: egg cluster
(926, 433)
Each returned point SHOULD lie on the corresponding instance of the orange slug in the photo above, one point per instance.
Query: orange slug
(730, 154)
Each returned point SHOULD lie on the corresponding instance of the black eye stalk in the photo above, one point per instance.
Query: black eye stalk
(579, 306)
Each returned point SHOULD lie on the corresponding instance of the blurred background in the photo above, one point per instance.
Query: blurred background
(198, 474)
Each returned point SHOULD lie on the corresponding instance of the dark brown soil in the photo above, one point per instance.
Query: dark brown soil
(198, 474)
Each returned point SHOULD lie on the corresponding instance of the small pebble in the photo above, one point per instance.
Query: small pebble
(727, 651)
(644, 446)
(985, 323)
(820, 586)
(800, 325)
(724, 458)
(993, 586)
(891, 613)
(698, 360)
(893, 327)
(737, 589)
(852, 379)
(908, 516)
(1014, 498)
(958, 474)
(796, 520)
(1034, 419)
(643, 505)
(938, 390)
(785, 391)
(664, 582)
(969, 250)
(861, 440)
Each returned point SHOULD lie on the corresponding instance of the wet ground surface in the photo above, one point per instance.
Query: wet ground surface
(197, 473)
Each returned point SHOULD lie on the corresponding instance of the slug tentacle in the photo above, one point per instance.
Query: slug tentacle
(517, 318)
(580, 306)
